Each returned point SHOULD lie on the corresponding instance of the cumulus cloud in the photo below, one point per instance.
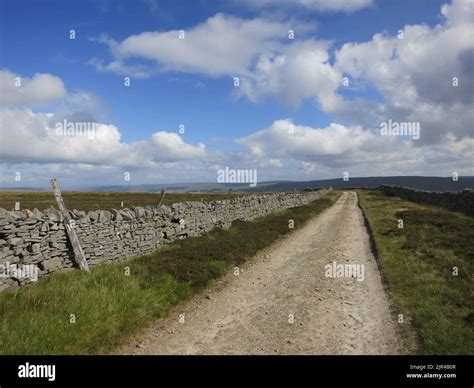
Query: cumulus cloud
(322, 151)
(168, 146)
(298, 71)
(73, 133)
(426, 77)
(257, 50)
(285, 139)
(39, 90)
(416, 74)
(222, 45)
(458, 12)
(33, 137)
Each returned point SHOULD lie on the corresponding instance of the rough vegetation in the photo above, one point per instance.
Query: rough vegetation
(428, 265)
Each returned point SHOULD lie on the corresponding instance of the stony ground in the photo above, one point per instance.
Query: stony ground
(281, 302)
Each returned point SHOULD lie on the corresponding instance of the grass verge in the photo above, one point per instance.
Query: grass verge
(418, 263)
(108, 306)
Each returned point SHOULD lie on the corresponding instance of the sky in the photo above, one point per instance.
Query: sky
(177, 90)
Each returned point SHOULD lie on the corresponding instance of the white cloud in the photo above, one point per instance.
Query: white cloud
(323, 151)
(285, 139)
(415, 74)
(308, 167)
(168, 146)
(458, 12)
(298, 71)
(275, 163)
(33, 137)
(28, 136)
(119, 67)
(272, 162)
(257, 50)
(222, 45)
(318, 5)
(36, 91)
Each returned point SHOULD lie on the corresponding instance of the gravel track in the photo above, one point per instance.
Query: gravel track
(282, 302)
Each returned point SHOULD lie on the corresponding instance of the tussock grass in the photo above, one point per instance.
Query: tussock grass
(417, 262)
(110, 306)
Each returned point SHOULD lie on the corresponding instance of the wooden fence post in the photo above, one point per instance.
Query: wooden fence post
(76, 246)
(162, 191)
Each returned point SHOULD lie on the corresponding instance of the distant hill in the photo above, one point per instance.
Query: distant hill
(22, 189)
(416, 182)
(205, 187)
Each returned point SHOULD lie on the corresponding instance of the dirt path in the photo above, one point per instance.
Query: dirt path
(282, 302)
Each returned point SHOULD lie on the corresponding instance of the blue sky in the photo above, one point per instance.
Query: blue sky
(184, 89)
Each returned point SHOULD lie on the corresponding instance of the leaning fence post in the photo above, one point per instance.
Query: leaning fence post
(163, 192)
(76, 246)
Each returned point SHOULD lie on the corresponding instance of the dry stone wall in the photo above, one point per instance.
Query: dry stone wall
(38, 240)
(462, 201)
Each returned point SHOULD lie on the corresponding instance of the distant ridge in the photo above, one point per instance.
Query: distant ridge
(415, 182)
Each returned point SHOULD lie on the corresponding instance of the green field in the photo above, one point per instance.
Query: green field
(109, 306)
(101, 200)
(418, 263)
